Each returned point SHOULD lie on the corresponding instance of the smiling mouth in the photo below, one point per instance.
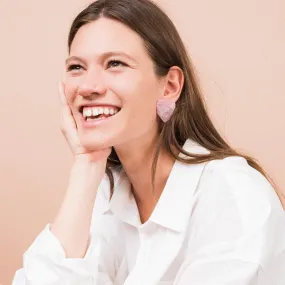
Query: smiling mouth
(98, 113)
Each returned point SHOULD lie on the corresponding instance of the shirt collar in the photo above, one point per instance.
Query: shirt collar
(122, 203)
(174, 205)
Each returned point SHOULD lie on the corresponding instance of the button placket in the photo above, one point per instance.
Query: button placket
(144, 244)
(146, 241)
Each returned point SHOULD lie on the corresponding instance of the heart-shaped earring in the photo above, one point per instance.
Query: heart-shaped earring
(165, 109)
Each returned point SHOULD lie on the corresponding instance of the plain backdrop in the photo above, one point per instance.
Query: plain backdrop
(237, 48)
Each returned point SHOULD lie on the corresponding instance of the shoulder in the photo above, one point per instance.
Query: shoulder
(234, 180)
(233, 175)
(236, 211)
(234, 192)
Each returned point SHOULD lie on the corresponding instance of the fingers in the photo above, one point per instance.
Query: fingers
(61, 93)
(67, 120)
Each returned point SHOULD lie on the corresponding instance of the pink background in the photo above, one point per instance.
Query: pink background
(237, 48)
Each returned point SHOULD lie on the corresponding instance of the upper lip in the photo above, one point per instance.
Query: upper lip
(97, 104)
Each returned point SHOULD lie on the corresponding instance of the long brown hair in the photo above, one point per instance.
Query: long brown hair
(190, 119)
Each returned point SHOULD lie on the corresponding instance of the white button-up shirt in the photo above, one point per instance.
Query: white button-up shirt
(216, 223)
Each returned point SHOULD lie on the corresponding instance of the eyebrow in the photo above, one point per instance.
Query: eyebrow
(104, 55)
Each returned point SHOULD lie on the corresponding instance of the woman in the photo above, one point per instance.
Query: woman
(177, 204)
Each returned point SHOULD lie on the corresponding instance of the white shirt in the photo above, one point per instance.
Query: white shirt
(216, 223)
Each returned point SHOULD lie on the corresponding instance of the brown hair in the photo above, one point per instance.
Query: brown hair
(190, 119)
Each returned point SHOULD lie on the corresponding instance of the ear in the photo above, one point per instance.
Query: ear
(173, 84)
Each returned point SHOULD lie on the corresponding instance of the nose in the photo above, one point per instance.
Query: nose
(92, 84)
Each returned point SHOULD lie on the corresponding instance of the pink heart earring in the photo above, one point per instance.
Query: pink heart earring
(165, 109)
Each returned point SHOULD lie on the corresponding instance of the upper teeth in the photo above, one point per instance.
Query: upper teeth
(95, 111)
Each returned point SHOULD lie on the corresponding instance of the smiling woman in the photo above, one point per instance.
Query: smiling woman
(177, 205)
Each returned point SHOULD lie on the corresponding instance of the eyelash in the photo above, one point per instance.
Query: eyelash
(73, 66)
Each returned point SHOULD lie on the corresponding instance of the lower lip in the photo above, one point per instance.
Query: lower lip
(94, 123)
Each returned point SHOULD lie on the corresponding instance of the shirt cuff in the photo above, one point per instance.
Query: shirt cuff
(46, 252)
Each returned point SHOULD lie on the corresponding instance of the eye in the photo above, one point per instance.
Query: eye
(73, 66)
(115, 63)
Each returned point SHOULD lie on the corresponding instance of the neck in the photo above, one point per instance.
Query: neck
(138, 167)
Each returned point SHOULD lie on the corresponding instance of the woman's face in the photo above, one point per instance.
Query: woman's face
(123, 80)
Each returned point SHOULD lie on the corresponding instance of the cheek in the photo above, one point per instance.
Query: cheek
(132, 87)
(121, 84)
(140, 103)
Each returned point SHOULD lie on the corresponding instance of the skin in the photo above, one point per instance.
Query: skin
(131, 85)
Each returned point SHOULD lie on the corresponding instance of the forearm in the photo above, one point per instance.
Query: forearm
(72, 223)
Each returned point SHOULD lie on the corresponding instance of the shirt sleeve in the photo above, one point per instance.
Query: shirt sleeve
(215, 272)
(237, 230)
(45, 261)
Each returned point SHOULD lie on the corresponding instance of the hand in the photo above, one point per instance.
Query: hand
(69, 130)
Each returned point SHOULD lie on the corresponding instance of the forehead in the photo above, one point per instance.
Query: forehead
(103, 35)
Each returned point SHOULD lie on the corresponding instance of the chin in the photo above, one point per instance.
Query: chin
(95, 142)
